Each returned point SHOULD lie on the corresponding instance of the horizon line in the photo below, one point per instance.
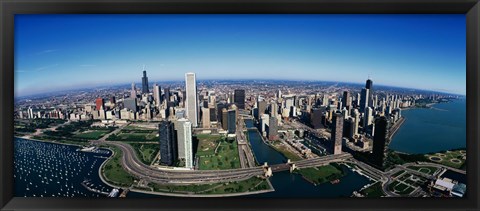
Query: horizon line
(180, 80)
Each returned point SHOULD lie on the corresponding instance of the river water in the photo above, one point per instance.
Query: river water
(293, 185)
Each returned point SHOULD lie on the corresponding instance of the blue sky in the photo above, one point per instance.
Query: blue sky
(55, 52)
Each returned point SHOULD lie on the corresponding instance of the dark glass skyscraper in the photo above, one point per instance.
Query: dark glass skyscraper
(369, 84)
(337, 133)
(145, 83)
(168, 143)
(232, 121)
(239, 98)
(167, 94)
(379, 141)
(346, 100)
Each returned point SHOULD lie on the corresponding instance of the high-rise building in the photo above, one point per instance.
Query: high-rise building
(232, 121)
(184, 140)
(113, 100)
(213, 115)
(168, 144)
(239, 98)
(369, 86)
(346, 100)
(130, 103)
(273, 109)
(356, 121)
(220, 107)
(205, 117)
(364, 99)
(145, 82)
(316, 117)
(167, 94)
(380, 140)
(133, 91)
(157, 94)
(100, 103)
(224, 118)
(191, 104)
(367, 120)
(272, 129)
(337, 133)
(262, 106)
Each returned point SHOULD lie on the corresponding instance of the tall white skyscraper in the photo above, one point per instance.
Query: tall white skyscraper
(184, 141)
(157, 94)
(191, 102)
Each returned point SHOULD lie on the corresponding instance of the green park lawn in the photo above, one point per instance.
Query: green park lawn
(146, 152)
(321, 174)
(114, 172)
(92, 135)
(225, 157)
(374, 190)
(251, 184)
(448, 158)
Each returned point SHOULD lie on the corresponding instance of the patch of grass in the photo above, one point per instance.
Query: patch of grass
(226, 156)
(146, 152)
(92, 135)
(398, 173)
(447, 156)
(134, 136)
(424, 169)
(207, 144)
(114, 172)
(374, 190)
(251, 184)
(321, 174)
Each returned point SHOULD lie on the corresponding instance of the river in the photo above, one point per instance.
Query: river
(293, 185)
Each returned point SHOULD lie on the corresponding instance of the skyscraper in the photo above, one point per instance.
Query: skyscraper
(262, 106)
(167, 94)
(157, 92)
(346, 100)
(184, 140)
(224, 118)
(364, 99)
(100, 103)
(368, 118)
(205, 117)
(369, 86)
(232, 121)
(130, 103)
(272, 129)
(133, 92)
(168, 145)
(239, 98)
(191, 104)
(337, 133)
(356, 118)
(145, 82)
(379, 141)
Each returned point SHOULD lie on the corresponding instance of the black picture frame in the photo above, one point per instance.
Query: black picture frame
(8, 8)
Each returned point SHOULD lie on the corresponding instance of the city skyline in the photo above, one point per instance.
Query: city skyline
(260, 47)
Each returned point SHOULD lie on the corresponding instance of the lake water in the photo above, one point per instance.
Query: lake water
(431, 130)
(54, 170)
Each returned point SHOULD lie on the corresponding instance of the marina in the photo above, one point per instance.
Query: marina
(54, 170)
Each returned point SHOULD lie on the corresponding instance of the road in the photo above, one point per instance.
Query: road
(244, 151)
